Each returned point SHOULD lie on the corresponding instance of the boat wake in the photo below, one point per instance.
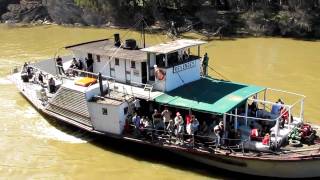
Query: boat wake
(41, 129)
(5, 81)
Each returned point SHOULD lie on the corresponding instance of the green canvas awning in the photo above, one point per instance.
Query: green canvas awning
(210, 95)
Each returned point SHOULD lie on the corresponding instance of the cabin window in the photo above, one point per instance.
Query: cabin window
(133, 64)
(104, 111)
(98, 58)
(125, 110)
(116, 61)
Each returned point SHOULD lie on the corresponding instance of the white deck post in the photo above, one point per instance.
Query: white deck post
(246, 115)
(289, 118)
(276, 133)
(166, 60)
(236, 121)
(301, 110)
(264, 98)
(224, 123)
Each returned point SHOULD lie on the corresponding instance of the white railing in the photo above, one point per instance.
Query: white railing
(111, 80)
(156, 135)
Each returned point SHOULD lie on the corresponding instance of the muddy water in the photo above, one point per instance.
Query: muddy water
(35, 147)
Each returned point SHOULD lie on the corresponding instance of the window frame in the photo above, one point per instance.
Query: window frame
(133, 64)
(117, 61)
(98, 58)
(105, 111)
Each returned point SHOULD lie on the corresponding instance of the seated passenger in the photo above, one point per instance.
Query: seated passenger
(253, 108)
(266, 139)
(275, 110)
(204, 129)
(254, 134)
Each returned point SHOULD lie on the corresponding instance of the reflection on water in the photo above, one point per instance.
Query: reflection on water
(37, 147)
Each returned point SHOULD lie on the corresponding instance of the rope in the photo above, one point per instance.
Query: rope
(219, 73)
(117, 49)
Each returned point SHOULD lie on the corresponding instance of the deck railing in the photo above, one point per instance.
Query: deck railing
(112, 81)
(194, 141)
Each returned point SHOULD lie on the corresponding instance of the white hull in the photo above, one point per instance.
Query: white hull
(270, 168)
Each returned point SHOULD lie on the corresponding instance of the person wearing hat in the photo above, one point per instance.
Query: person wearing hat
(218, 131)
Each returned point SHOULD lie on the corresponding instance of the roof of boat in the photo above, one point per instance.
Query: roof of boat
(209, 95)
(173, 46)
(106, 47)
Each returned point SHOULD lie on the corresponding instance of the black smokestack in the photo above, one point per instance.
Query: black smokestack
(117, 42)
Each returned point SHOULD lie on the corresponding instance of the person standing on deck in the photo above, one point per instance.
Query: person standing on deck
(89, 65)
(60, 65)
(80, 65)
(40, 77)
(218, 131)
(205, 62)
(179, 123)
(166, 116)
(52, 85)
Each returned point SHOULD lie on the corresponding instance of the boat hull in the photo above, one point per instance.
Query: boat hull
(304, 168)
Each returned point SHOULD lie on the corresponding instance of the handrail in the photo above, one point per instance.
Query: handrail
(288, 92)
(249, 117)
(152, 130)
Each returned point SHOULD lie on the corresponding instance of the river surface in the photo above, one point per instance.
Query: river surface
(35, 147)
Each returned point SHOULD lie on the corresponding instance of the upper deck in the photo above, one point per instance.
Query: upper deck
(140, 66)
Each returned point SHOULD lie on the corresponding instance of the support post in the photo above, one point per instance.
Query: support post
(246, 115)
(166, 60)
(302, 110)
(224, 124)
(236, 121)
(199, 51)
(289, 118)
(276, 133)
(264, 99)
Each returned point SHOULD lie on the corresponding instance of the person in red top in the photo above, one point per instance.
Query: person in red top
(188, 119)
(266, 139)
(254, 134)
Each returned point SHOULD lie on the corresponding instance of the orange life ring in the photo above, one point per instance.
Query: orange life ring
(160, 74)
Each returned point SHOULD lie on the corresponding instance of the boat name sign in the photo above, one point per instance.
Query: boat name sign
(182, 67)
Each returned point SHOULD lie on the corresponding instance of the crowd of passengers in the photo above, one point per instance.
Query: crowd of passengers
(260, 130)
(76, 64)
(180, 127)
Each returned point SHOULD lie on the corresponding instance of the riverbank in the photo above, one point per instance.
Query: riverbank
(209, 18)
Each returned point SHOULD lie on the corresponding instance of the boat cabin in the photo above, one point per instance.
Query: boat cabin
(172, 65)
(164, 66)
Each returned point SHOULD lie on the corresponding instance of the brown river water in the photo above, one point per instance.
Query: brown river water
(36, 147)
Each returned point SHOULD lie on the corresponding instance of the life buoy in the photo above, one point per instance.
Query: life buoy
(295, 143)
(160, 74)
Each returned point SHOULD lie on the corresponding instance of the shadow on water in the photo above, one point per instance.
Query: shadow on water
(141, 152)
